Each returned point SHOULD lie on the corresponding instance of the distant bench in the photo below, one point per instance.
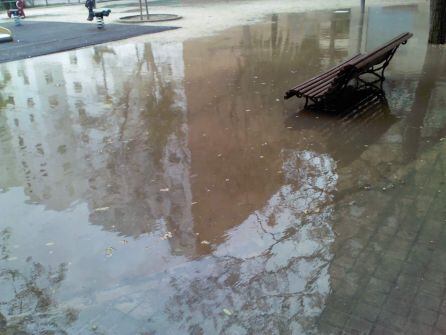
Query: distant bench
(330, 83)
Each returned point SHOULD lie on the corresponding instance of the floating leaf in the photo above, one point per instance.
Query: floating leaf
(101, 209)
(109, 251)
(227, 311)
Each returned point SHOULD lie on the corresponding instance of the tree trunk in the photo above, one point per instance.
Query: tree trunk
(437, 32)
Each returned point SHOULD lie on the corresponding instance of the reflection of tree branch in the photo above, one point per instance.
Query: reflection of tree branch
(33, 306)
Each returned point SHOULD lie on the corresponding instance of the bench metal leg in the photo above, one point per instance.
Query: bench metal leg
(379, 71)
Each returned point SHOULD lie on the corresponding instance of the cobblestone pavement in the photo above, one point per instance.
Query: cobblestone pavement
(389, 265)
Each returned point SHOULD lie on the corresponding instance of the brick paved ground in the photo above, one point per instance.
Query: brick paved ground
(389, 269)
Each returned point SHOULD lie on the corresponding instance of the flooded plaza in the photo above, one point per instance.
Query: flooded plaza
(167, 188)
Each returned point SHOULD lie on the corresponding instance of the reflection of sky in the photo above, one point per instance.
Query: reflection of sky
(279, 255)
(296, 216)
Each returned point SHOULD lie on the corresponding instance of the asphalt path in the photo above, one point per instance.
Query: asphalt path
(37, 38)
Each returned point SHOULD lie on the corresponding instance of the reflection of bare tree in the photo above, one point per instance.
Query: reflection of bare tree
(27, 303)
(148, 152)
(3, 83)
(270, 277)
(133, 167)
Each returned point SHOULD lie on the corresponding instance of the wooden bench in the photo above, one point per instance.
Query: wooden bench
(328, 85)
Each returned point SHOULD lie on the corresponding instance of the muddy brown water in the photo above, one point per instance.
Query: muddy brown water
(167, 188)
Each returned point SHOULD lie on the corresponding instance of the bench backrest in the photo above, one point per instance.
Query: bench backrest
(363, 63)
(380, 54)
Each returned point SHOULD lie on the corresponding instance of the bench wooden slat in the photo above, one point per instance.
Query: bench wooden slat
(323, 75)
(328, 77)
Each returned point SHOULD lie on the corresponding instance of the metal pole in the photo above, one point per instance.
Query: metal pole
(147, 9)
(140, 9)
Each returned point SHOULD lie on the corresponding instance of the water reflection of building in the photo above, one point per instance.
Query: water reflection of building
(108, 134)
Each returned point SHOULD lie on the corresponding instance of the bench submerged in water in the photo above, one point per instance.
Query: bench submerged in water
(329, 84)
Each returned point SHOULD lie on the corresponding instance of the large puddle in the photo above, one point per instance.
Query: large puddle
(167, 188)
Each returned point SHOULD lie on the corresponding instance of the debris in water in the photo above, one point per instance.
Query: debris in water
(101, 209)
(49, 244)
(109, 251)
(227, 311)
(205, 242)
(167, 236)
(164, 189)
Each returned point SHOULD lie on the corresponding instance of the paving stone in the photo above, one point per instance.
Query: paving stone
(417, 329)
(382, 330)
(366, 311)
(423, 316)
(392, 321)
(441, 323)
(325, 328)
(357, 326)
(334, 317)
(375, 298)
(380, 285)
(344, 304)
(396, 306)
(426, 301)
